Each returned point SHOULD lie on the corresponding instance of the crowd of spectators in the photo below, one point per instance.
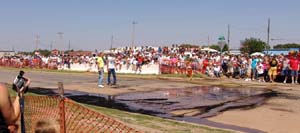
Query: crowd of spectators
(177, 60)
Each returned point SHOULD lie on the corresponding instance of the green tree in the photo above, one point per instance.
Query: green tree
(26, 53)
(225, 48)
(251, 45)
(68, 51)
(45, 52)
(216, 47)
(288, 45)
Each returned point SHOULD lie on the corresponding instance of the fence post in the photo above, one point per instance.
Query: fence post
(62, 108)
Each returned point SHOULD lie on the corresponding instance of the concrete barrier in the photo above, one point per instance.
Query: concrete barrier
(146, 69)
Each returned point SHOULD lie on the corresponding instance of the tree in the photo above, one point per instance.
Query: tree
(225, 48)
(253, 45)
(288, 45)
(44, 52)
(215, 47)
(68, 51)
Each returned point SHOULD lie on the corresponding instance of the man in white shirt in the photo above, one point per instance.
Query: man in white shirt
(111, 62)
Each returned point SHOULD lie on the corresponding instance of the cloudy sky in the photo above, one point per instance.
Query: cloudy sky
(89, 24)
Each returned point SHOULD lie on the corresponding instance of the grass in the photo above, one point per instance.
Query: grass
(13, 93)
(154, 124)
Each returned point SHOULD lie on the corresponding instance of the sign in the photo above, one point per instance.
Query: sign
(221, 38)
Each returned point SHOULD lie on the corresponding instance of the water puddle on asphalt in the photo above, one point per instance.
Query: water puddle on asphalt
(196, 103)
(200, 102)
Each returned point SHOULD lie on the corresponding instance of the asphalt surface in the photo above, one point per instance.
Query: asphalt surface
(87, 82)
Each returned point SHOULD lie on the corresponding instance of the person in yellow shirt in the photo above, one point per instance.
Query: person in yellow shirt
(100, 64)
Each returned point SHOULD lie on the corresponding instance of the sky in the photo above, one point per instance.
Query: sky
(90, 24)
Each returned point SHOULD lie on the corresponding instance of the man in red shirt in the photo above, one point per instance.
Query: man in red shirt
(294, 67)
(140, 60)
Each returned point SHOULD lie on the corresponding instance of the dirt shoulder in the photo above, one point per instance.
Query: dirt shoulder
(279, 114)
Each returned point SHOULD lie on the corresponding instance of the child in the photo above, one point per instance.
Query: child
(260, 71)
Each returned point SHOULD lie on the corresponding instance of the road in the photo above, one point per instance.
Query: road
(87, 82)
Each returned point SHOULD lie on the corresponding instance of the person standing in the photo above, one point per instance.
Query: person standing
(100, 64)
(260, 71)
(111, 61)
(10, 111)
(285, 69)
(294, 66)
(273, 69)
(139, 64)
(253, 68)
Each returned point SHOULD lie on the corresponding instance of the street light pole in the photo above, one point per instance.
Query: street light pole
(228, 37)
(111, 42)
(268, 37)
(37, 37)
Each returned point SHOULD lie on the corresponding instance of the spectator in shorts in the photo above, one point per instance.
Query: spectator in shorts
(273, 69)
(285, 69)
(260, 71)
(294, 66)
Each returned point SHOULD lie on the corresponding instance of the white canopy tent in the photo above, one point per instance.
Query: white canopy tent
(257, 54)
(209, 50)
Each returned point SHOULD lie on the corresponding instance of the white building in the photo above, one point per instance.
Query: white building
(7, 53)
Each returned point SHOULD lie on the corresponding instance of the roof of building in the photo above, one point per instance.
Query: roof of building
(6, 51)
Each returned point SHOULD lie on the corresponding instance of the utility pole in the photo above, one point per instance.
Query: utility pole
(69, 46)
(268, 37)
(208, 40)
(51, 43)
(37, 37)
(60, 34)
(111, 42)
(228, 37)
(133, 32)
